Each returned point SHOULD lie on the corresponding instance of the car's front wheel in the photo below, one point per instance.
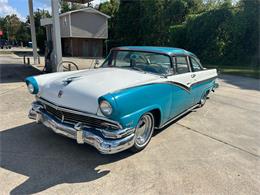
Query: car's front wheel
(144, 131)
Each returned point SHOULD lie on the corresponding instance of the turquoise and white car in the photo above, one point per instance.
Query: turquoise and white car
(118, 105)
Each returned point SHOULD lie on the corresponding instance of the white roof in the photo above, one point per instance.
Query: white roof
(48, 21)
(87, 9)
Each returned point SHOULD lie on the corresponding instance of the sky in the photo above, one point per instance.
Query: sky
(20, 7)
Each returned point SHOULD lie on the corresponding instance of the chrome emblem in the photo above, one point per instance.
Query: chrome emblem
(60, 94)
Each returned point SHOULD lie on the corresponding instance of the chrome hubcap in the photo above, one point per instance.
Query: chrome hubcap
(203, 100)
(144, 130)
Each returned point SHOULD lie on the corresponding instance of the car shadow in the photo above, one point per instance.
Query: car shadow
(48, 159)
(11, 73)
(23, 53)
(160, 130)
(241, 82)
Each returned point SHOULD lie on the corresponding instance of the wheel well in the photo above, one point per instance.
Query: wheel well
(206, 92)
(157, 117)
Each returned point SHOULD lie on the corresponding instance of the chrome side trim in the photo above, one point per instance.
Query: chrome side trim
(57, 107)
(178, 116)
(184, 87)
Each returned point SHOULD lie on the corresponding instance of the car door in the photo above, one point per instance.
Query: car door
(181, 83)
(198, 87)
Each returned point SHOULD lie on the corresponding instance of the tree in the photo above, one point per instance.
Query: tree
(128, 23)
(147, 22)
(110, 8)
(152, 28)
(12, 25)
(3, 27)
(40, 30)
(216, 30)
(23, 34)
(68, 6)
(64, 7)
(250, 14)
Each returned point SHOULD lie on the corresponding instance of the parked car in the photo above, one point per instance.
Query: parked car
(118, 105)
(2, 43)
(5, 44)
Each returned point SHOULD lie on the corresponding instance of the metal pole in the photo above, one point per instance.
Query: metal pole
(56, 36)
(33, 36)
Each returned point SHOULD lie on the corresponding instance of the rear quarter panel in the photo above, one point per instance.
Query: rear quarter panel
(204, 82)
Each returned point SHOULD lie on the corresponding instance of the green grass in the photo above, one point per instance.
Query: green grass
(252, 72)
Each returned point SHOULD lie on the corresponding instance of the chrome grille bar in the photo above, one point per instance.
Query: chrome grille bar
(73, 116)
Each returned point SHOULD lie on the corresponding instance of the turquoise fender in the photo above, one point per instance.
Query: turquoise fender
(33, 81)
(131, 103)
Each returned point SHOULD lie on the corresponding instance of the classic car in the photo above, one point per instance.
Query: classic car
(118, 105)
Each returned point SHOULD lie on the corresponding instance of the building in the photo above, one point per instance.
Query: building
(83, 32)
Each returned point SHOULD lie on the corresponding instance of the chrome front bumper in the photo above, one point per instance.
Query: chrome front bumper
(106, 141)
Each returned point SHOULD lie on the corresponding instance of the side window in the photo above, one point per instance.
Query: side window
(195, 65)
(182, 64)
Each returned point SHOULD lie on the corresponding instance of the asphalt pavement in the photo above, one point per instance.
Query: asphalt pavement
(211, 150)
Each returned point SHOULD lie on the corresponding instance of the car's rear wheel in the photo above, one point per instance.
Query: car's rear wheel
(144, 131)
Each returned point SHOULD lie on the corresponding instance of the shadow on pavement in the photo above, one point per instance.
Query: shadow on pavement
(23, 53)
(16, 72)
(158, 131)
(49, 159)
(242, 82)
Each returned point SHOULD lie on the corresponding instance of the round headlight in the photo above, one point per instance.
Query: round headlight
(30, 88)
(105, 108)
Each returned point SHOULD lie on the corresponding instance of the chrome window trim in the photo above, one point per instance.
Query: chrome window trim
(176, 62)
(57, 107)
(198, 61)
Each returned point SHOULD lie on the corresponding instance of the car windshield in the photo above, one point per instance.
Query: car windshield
(141, 61)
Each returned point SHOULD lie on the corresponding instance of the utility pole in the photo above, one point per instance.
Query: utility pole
(56, 36)
(33, 35)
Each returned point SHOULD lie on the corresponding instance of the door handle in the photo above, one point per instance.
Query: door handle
(193, 75)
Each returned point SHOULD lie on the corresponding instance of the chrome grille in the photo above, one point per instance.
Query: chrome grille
(70, 117)
(54, 112)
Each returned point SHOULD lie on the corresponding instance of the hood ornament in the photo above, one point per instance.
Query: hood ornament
(69, 80)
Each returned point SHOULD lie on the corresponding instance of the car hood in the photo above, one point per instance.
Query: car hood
(81, 90)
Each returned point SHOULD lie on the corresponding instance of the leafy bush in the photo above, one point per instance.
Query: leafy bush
(217, 31)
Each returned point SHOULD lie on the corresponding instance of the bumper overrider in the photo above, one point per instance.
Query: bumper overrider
(105, 141)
